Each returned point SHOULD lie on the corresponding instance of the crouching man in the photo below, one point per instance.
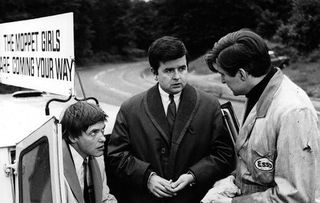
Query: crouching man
(83, 126)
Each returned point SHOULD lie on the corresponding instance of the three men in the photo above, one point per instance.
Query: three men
(169, 144)
(83, 125)
(278, 144)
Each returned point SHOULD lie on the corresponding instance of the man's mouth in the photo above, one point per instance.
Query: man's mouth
(101, 147)
(176, 85)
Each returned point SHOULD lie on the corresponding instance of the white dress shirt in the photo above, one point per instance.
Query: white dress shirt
(166, 100)
(78, 163)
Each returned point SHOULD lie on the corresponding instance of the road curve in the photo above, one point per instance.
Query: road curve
(114, 83)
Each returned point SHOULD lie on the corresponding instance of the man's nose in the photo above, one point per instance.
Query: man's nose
(102, 138)
(176, 74)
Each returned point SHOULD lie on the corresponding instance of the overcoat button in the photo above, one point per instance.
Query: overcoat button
(163, 150)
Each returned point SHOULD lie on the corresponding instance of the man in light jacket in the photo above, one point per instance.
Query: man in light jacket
(278, 144)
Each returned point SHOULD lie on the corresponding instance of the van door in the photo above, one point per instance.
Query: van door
(40, 165)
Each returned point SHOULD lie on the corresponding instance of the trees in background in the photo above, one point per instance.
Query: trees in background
(302, 30)
(124, 28)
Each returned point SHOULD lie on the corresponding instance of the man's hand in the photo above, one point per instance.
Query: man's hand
(160, 187)
(225, 188)
(110, 199)
(182, 182)
(216, 198)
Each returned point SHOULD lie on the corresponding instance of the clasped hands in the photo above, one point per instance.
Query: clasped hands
(222, 191)
(161, 187)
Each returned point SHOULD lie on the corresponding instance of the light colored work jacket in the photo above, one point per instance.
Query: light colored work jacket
(278, 147)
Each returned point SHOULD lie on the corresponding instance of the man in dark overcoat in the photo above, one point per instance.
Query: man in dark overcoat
(169, 144)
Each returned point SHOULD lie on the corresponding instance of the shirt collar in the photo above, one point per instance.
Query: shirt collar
(77, 158)
(165, 96)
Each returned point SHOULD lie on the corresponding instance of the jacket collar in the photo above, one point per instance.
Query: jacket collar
(260, 109)
(264, 102)
(72, 178)
(70, 173)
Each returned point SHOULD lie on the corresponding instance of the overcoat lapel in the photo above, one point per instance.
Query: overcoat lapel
(155, 111)
(188, 104)
(71, 174)
(260, 109)
(187, 107)
(97, 180)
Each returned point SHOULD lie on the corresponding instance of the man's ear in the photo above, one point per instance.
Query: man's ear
(154, 71)
(72, 139)
(243, 74)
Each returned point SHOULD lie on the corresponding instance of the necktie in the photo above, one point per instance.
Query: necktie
(88, 190)
(171, 113)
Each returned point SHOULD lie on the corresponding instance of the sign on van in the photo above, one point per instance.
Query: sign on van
(39, 54)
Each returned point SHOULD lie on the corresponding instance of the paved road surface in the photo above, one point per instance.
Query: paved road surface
(115, 83)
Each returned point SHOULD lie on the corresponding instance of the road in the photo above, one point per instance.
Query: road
(114, 83)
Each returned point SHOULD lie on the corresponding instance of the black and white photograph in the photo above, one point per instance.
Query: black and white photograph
(159, 101)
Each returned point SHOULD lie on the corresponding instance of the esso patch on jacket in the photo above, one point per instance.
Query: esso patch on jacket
(263, 164)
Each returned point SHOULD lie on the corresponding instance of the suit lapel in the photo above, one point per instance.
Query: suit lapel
(97, 183)
(71, 174)
(155, 111)
(187, 107)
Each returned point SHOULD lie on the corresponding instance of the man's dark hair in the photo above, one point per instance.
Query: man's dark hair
(241, 49)
(165, 49)
(78, 117)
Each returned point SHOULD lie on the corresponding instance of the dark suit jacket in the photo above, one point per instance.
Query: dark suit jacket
(140, 144)
(72, 178)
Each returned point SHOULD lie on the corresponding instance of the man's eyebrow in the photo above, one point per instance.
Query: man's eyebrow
(182, 66)
(98, 128)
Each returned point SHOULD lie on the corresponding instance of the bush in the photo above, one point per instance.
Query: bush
(134, 52)
(314, 56)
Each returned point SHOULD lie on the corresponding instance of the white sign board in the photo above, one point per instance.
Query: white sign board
(39, 54)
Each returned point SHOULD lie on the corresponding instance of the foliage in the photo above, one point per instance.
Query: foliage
(111, 33)
(270, 14)
(140, 22)
(120, 28)
(303, 28)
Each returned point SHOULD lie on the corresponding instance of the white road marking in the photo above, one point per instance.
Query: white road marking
(103, 84)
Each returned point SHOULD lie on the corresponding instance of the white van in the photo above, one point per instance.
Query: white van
(29, 139)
